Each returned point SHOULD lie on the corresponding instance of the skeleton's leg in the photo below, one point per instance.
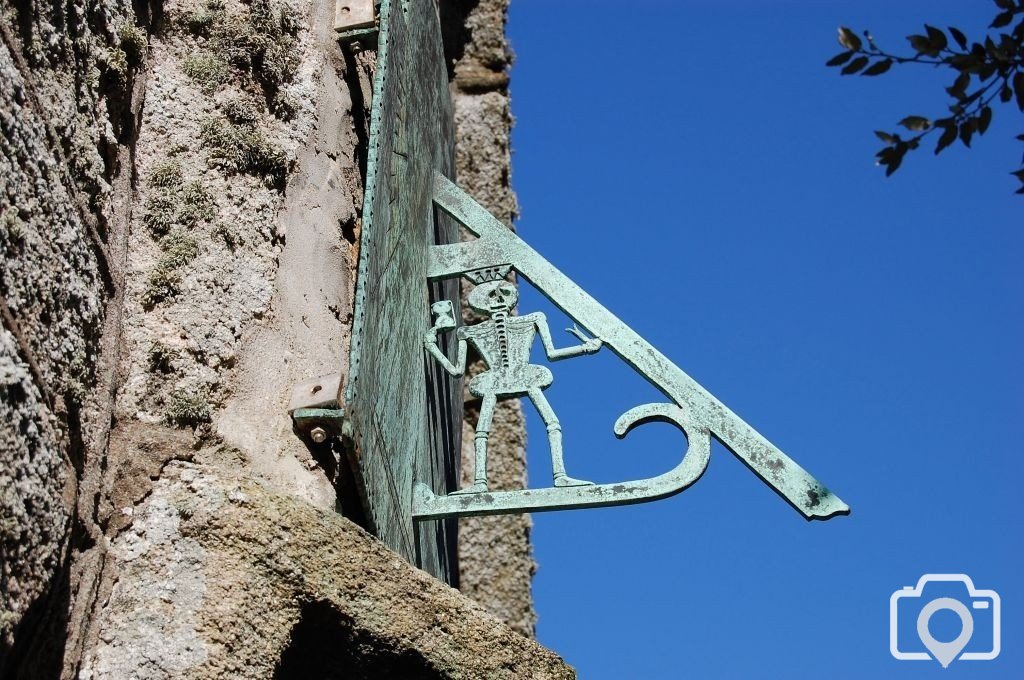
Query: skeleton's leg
(554, 439)
(483, 430)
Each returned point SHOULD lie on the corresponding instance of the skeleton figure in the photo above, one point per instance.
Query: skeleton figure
(504, 341)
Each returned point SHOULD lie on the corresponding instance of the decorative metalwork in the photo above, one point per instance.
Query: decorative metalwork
(403, 441)
(504, 339)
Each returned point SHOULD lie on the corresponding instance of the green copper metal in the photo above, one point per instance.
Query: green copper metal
(504, 340)
(402, 401)
(403, 415)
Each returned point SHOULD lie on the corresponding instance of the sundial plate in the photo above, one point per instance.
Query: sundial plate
(401, 430)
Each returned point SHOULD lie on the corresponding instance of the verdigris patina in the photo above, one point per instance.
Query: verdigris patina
(403, 435)
(691, 408)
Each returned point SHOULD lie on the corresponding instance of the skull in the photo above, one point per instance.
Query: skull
(493, 296)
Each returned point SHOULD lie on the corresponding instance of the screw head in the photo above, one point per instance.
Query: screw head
(318, 435)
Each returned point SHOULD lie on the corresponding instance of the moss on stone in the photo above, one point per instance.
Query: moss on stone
(242, 110)
(176, 205)
(179, 248)
(161, 357)
(166, 175)
(134, 43)
(261, 43)
(188, 408)
(162, 283)
(202, 20)
(197, 205)
(117, 63)
(209, 71)
(244, 149)
(159, 213)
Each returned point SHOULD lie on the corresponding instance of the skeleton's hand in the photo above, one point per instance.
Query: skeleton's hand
(430, 337)
(592, 345)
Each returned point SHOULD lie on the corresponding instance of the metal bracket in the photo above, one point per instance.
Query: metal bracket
(355, 20)
(316, 410)
(697, 413)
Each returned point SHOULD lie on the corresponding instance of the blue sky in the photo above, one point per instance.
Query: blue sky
(697, 168)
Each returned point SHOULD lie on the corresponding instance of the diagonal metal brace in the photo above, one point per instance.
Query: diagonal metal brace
(696, 411)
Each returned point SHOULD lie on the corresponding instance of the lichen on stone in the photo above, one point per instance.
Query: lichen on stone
(227, 234)
(12, 231)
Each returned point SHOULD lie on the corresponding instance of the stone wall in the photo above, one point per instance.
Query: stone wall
(70, 81)
(179, 211)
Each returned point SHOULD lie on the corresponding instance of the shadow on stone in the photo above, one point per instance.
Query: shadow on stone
(325, 646)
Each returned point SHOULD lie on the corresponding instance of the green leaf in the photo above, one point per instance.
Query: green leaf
(1004, 4)
(959, 37)
(854, 66)
(849, 39)
(1005, 94)
(1018, 89)
(917, 123)
(1020, 138)
(886, 137)
(878, 68)
(936, 37)
(839, 59)
(1002, 19)
(947, 138)
(984, 119)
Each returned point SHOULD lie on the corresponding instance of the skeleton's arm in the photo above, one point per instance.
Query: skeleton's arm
(587, 347)
(459, 367)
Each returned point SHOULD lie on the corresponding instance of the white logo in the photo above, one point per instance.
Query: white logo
(909, 600)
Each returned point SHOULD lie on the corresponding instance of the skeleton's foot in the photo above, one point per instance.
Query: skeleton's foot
(565, 480)
(476, 487)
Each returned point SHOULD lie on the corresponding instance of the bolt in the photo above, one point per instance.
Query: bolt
(318, 435)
